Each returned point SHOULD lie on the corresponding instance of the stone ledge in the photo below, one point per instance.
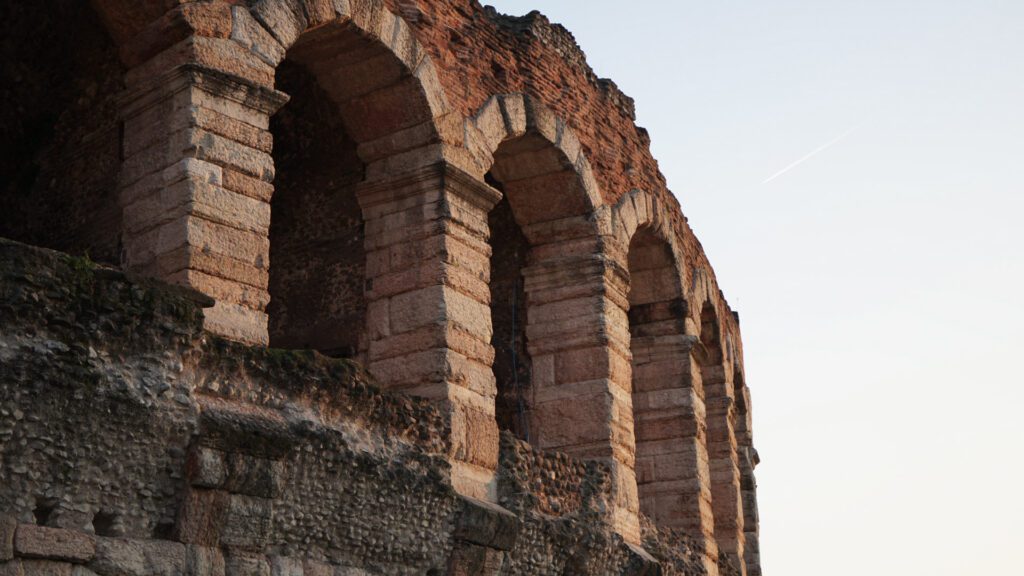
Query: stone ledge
(486, 524)
(640, 562)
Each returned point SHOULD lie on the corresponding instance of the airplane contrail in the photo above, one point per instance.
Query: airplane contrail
(817, 150)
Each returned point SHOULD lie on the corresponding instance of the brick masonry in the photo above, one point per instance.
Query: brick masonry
(347, 176)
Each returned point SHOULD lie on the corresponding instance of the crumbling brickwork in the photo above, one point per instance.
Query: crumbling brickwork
(446, 201)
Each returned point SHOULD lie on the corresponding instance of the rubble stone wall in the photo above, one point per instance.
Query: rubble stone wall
(135, 443)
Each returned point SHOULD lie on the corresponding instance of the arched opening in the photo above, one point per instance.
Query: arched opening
(317, 259)
(59, 129)
(748, 461)
(539, 186)
(721, 423)
(349, 96)
(509, 248)
(665, 403)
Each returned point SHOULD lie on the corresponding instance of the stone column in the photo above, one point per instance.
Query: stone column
(751, 536)
(724, 459)
(671, 435)
(196, 188)
(748, 460)
(428, 305)
(578, 339)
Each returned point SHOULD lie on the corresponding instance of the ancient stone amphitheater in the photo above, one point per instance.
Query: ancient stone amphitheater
(339, 287)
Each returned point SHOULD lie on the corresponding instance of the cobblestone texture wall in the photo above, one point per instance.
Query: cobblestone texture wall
(133, 443)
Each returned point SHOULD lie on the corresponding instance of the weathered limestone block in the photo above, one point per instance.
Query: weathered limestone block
(239, 563)
(33, 541)
(207, 468)
(202, 516)
(236, 473)
(48, 568)
(487, 524)
(285, 19)
(475, 560)
(202, 561)
(122, 557)
(247, 522)
(251, 34)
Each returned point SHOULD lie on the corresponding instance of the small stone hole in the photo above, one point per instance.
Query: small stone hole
(164, 530)
(43, 513)
(105, 524)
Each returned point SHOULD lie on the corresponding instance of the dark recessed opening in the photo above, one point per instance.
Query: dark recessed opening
(44, 510)
(105, 524)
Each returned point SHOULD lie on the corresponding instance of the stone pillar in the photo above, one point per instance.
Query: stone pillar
(578, 339)
(751, 536)
(748, 460)
(725, 466)
(428, 305)
(673, 473)
(196, 188)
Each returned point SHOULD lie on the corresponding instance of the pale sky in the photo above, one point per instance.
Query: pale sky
(879, 281)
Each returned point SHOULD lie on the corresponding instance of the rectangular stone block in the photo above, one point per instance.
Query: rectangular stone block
(48, 568)
(193, 258)
(139, 557)
(33, 541)
(418, 308)
(221, 289)
(203, 561)
(479, 433)
(582, 364)
(241, 563)
(286, 19)
(231, 57)
(582, 421)
(254, 476)
(226, 152)
(247, 185)
(237, 322)
(249, 33)
(201, 517)
(247, 522)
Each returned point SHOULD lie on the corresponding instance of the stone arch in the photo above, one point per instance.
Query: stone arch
(534, 159)
(575, 335)
(366, 59)
(201, 171)
(526, 140)
(722, 441)
(210, 98)
(358, 101)
(668, 404)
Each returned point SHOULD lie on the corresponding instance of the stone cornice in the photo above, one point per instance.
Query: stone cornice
(442, 174)
(215, 82)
